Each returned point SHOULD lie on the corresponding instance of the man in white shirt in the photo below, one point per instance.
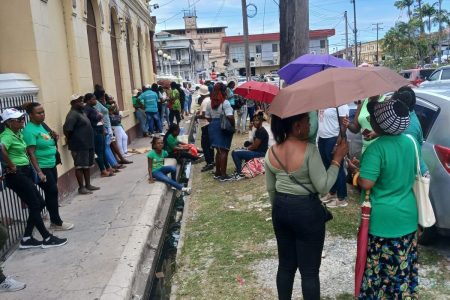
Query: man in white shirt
(329, 135)
(204, 100)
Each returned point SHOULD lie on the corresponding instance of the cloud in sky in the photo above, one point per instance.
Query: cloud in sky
(323, 14)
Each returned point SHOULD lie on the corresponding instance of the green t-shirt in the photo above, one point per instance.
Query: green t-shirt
(390, 162)
(176, 104)
(36, 135)
(171, 143)
(15, 147)
(157, 160)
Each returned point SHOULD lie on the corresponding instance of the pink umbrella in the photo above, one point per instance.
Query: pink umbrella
(362, 243)
(334, 87)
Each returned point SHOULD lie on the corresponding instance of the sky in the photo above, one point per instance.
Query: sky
(323, 14)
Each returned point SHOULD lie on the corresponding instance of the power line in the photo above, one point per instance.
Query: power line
(264, 14)
(218, 13)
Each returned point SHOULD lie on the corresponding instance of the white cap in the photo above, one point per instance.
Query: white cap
(11, 113)
(75, 97)
(135, 92)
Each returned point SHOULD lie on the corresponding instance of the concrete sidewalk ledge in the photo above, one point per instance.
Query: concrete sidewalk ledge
(122, 281)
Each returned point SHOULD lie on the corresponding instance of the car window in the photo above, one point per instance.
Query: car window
(425, 73)
(406, 75)
(445, 74)
(426, 116)
(435, 76)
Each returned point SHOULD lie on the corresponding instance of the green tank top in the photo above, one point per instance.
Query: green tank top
(364, 122)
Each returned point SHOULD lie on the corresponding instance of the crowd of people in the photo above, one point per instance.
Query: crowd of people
(304, 158)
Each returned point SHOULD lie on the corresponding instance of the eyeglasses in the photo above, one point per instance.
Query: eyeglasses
(21, 119)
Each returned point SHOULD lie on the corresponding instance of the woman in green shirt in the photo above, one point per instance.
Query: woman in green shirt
(20, 178)
(388, 170)
(158, 171)
(297, 214)
(174, 147)
(174, 104)
(41, 148)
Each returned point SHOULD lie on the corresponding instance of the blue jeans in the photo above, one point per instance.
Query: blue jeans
(251, 112)
(164, 114)
(100, 150)
(152, 118)
(161, 175)
(326, 146)
(240, 155)
(142, 118)
(110, 158)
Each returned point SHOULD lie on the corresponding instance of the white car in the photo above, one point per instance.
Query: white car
(440, 78)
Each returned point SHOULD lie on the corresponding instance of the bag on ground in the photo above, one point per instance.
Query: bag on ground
(253, 167)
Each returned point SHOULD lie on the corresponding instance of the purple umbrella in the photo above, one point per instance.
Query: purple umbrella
(310, 64)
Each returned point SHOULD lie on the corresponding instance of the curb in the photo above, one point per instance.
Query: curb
(139, 246)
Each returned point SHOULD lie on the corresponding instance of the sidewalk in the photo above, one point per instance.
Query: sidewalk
(105, 249)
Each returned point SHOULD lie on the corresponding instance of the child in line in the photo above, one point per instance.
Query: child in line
(158, 171)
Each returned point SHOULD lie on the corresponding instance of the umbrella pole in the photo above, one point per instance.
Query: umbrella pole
(342, 135)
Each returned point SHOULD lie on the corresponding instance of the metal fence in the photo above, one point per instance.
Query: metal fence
(13, 214)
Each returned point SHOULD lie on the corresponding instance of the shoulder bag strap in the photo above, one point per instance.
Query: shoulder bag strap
(417, 153)
(292, 177)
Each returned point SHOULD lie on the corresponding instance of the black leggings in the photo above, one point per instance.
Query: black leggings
(174, 114)
(50, 188)
(22, 184)
(299, 225)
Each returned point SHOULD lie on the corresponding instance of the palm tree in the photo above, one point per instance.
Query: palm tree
(444, 18)
(428, 11)
(402, 4)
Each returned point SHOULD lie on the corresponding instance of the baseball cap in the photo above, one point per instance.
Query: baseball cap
(11, 113)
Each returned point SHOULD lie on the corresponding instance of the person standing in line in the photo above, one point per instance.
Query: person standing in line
(182, 92)
(96, 119)
(241, 109)
(204, 101)
(119, 132)
(220, 139)
(80, 138)
(7, 283)
(388, 170)
(188, 98)
(164, 112)
(230, 94)
(139, 112)
(331, 130)
(174, 104)
(41, 149)
(295, 175)
(20, 178)
(149, 98)
(250, 109)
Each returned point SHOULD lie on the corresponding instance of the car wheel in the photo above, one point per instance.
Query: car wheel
(427, 236)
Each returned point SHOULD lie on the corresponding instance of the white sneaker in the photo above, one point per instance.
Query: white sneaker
(337, 203)
(328, 198)
(187, 190)
(65, 226)
(11, 285)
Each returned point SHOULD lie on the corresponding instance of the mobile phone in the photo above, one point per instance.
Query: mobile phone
(365, 132)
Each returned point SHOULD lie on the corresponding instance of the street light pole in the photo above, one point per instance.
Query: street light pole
(355, 31)
(165, 67)
(179, 70)
(246, 47)
(169, 59)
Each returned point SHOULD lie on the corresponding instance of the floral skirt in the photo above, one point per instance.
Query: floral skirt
(391, 269)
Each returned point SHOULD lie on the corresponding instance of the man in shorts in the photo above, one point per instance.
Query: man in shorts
(80, 138)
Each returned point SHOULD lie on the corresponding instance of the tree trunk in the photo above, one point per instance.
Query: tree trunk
(294, 29)
(422, 29)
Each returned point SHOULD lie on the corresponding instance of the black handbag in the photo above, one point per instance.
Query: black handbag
(57, 155)
(328, 216)
(225, 123)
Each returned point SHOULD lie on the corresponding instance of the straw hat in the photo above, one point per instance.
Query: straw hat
(203, 91)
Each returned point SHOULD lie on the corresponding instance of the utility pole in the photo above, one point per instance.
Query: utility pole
(346, 34)
(440, 32)
(294, 29)
(355, 31)
(246, 48)
(378, 28)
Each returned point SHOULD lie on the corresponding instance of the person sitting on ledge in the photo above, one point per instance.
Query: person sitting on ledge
(174, 147)
(158, 171)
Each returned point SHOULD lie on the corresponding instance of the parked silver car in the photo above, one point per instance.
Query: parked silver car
(440, 78)
(433, 110)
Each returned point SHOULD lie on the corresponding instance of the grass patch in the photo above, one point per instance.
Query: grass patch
(226, 233)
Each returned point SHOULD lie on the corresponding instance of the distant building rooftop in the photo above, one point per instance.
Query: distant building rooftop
(266, 37)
